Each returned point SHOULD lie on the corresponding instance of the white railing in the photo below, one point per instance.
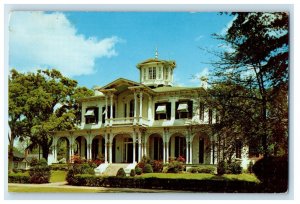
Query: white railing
(127, 121)
(121, 121)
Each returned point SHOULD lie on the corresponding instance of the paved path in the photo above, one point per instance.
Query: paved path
(59, 185)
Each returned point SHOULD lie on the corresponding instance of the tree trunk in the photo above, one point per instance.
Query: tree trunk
(264, 122)
(45, 152)
(11, 153)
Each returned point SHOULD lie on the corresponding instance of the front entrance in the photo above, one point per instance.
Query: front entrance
(128, 150)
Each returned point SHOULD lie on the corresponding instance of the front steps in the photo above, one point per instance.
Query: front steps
(107, 169)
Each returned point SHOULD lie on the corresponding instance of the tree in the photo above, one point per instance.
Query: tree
(43, 102)
(257, 60)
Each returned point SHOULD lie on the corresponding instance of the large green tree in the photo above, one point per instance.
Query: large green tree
(40, 103)
(257, 58)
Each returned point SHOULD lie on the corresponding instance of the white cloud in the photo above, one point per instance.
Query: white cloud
(203, 73)
(49, 40)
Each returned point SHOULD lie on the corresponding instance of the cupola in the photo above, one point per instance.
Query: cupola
(155, 72)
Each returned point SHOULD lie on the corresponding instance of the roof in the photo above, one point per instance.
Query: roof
(118, 81)
(155, 60)
(178, 88)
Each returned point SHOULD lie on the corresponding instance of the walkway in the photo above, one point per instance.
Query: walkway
(68, 188)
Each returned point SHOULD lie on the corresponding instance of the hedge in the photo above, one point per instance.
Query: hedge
(18, 178)
(63, 167)
(218, 186)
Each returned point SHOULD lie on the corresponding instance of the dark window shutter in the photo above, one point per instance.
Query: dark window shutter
(190, 109)
(176, 111)
(103, 115)
(168, 110)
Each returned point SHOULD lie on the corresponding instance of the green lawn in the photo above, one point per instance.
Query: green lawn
(202, 176)
(58, 176)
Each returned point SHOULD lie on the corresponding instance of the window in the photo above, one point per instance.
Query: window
(91, 115)
(159, 73)
(210, 116)
(150, 73)
(154, 72)
(238, 149)
(201, 111)
(131, 107)
(163, 111)
(166, 73)
(183, 109)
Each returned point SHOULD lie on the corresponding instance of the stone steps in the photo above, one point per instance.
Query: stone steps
(112, 169)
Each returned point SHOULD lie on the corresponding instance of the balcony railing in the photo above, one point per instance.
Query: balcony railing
(127, 121)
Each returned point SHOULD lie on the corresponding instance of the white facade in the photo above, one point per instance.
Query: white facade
(126, 120)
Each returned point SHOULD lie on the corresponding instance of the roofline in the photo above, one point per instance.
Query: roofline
(148, 61)
(119, 79)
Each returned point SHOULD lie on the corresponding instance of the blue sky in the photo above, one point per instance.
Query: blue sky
(96, 48)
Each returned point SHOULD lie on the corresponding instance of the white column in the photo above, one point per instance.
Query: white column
(145, 147)
(106, 110)
(150, 108)
(187, 151)
(167, 151)
(135, 107)
(91, 146)
(140, 147)
(141, 107)
(105, 146)
(133, 149)
(211, 153)
(110, 151)
(173, 109)
(191, 152)
(164, 148)
(164, 152)
(111, 106)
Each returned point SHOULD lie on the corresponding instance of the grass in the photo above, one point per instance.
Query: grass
(58, 176)
(202, 176)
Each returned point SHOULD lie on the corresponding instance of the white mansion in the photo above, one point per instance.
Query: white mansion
(126, 120)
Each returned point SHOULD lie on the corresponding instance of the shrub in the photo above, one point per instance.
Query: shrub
(181, 159)
(175, 167)
(221, 169)
(77, 159)
(157, 166)
(148, 168)
(141, 165)
(138, 170)
(39, 171)
(208, 169)
(62, 167)
(132, 173)
(234, 168)
(193, 170)
(79, 168)
(18, 178)
(272, 172)
(121, 173)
